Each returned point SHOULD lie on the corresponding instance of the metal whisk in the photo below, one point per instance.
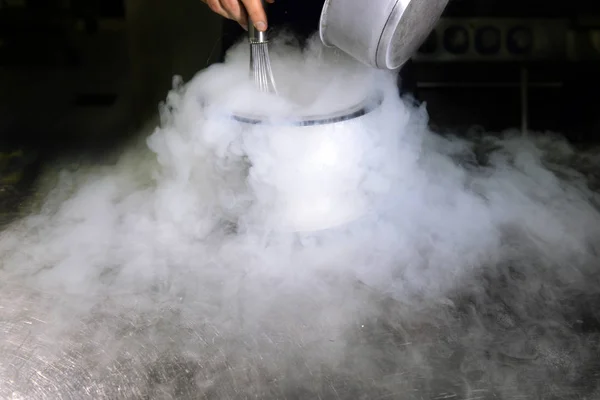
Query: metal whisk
(260, 62)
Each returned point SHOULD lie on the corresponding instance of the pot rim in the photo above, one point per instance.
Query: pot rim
(366, 106)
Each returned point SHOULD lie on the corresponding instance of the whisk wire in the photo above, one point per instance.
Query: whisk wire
(260, 67)
(260, 62)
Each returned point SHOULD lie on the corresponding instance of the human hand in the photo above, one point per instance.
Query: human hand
(240, 10)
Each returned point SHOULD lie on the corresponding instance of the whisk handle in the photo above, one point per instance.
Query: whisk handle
(254, 34)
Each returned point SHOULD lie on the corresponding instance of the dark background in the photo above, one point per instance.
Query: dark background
(83, 76)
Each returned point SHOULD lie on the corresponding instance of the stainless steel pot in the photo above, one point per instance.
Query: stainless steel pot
(381, 33)
(311, 165)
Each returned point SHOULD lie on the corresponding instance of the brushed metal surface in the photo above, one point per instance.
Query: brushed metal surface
(52, 349)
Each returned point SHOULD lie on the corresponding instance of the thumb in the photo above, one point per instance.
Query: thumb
(256, 14)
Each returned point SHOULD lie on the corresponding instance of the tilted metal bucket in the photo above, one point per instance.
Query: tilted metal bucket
(383, 34)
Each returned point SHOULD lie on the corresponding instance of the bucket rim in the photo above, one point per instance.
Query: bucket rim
(364, 107)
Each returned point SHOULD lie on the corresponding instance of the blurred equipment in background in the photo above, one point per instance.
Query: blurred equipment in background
(507, 64)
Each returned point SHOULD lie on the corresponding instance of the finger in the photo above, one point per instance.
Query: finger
(244, 15)
(256, 14)
(237, 12)
(215, 5)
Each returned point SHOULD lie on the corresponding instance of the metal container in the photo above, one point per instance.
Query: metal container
(383, 34)
(306, 172)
